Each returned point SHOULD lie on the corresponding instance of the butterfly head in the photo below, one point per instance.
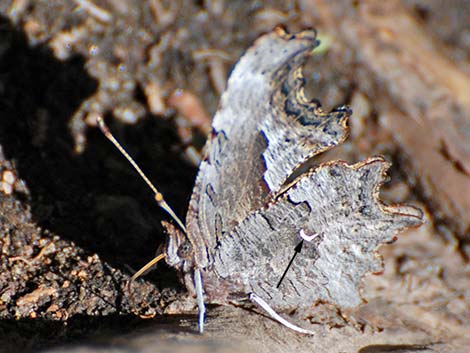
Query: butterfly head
(179, 252)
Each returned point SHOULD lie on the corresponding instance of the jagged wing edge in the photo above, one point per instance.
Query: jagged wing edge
(395, 209)
(343, 112)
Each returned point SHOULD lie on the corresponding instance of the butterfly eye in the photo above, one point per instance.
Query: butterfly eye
(185, 250)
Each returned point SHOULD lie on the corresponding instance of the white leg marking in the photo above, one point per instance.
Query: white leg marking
(200, 299)
(254, 298)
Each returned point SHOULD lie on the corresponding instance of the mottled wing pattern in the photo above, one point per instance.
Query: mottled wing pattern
(263, 130)
(338, 202)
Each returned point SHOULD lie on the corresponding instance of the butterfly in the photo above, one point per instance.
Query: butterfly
(249, 210)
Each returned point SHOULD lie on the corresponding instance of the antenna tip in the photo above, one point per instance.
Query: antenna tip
(101, 124)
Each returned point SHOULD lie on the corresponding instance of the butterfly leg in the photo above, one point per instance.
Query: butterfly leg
(256, 299)
(200, 299)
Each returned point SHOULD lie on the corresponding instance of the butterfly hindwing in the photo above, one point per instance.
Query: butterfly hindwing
(336, 202)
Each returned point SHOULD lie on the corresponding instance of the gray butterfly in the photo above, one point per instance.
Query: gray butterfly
(246, 214)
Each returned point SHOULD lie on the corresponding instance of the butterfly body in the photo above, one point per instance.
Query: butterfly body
(244, 217)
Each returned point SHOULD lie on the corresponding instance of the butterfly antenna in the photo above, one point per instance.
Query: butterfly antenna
(164, 205)
(256, 299)
(158, 196)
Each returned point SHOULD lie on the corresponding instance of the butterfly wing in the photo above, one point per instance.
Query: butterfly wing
(264, 129)
(338, 205)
